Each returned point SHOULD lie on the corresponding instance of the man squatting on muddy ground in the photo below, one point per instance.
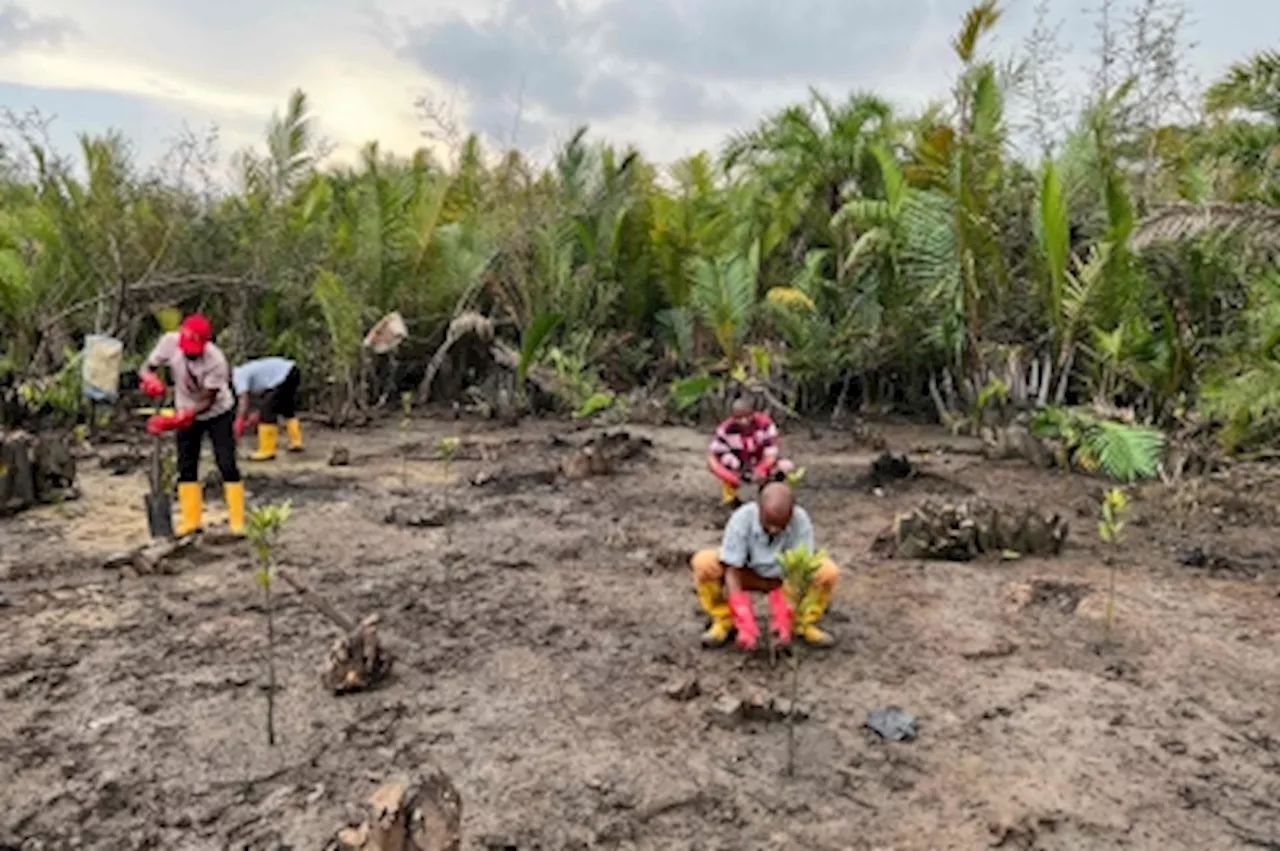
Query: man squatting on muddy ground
(745, 449)
(748, 561)
(276, 380)
(204, 404)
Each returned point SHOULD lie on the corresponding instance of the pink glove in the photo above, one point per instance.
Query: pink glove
(744, 619)
(762, 470)
(239, 427)
(725, 475)
(781, 615)
(152, 385)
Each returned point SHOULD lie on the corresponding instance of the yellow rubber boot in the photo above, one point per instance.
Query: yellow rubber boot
(728, 493)
(268, 434)
(711, 596)
(294, 429)
(811, 611)
(190, 508)
(234, 493)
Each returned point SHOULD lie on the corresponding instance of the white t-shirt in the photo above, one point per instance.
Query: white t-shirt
(258, 376)
(210, 371)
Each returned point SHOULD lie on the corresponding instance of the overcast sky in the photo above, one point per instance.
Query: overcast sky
(671, 76)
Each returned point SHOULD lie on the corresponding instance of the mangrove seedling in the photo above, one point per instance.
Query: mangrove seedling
(262, 528)
(406, 414)
(799, 566)
(448, 449)
(1114, 506)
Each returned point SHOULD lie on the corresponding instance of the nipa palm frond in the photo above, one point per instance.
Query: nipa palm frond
(1258, 224)
(1124, 452)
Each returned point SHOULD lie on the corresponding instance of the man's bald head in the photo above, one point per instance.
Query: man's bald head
(777, 502)
(742, 409)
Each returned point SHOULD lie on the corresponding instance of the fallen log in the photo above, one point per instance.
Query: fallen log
(966, 530)
(149, 558)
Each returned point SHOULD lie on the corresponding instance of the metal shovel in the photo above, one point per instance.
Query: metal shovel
(159, 506)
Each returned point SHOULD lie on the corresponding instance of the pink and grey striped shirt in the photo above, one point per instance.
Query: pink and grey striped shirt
(742, 447)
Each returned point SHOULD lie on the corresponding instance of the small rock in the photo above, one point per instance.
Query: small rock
(683, 689)
(420, 516)
(892, 723)
(339, 457)
(727, 710)
(783, 707)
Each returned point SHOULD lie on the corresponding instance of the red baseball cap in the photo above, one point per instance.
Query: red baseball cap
(194, 333)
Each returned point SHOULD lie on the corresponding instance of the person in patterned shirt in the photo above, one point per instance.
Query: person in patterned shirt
(745, 449)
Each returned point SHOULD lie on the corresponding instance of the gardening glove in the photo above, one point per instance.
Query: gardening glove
(744, 619)
(761, 471)
(239, 427)
(725, 475)
(177, 421)
(781, 615)
(151, 385)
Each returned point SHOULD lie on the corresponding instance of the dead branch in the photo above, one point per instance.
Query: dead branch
(315, 601)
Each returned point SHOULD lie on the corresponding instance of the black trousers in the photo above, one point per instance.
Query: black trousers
(221, 431)
(282, 400)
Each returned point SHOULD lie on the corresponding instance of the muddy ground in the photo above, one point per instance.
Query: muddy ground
(548, 621)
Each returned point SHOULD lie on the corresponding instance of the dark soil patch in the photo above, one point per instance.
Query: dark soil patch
(551, 636)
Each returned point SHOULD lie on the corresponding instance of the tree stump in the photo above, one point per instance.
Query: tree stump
(425, 815)
(963, 531)
(602, 454)
(34, 470)
(357, 661)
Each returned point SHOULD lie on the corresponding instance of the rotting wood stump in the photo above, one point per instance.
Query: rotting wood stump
(34, 470)
(602, 454)
(423, 815)
(965, 530)
(358, 661)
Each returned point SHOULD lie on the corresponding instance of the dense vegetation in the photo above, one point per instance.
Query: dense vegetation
(839, 252)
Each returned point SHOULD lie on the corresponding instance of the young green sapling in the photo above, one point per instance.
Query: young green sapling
(1114, 506)
(799, 566)
(448, 449)
(262, 528)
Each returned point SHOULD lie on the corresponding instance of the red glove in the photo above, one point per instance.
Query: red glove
(725, 475)
(152, 385)
(744, 619)
(781, 615)
(160, 423)
(239, 427)
(762, 470)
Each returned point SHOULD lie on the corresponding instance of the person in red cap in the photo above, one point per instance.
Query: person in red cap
(204, 404)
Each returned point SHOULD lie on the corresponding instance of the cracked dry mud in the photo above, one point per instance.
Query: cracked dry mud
(543, 626)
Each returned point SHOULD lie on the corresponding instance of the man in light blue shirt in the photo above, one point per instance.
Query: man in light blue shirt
(748, 561)
(276, 380)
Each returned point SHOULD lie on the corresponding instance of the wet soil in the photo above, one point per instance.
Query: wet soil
(552, 668)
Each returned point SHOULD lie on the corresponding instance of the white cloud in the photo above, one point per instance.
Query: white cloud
(668, 75)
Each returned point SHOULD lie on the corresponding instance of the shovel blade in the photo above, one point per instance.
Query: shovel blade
(159, 515)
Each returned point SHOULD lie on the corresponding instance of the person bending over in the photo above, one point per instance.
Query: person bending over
(277, 381)
(747, 561)
(204, 405)
(746, 448)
